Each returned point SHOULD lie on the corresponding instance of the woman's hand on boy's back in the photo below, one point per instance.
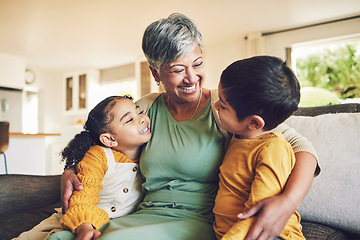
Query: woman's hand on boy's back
(271, 217)
(69, 183)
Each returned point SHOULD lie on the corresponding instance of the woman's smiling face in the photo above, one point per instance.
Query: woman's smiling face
(183, 78)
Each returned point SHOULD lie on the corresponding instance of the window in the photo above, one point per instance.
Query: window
(328, 70)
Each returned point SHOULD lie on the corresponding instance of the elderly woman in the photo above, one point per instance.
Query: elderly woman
(180, 164)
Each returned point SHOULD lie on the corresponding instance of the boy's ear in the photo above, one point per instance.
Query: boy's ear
(155, 74)
(256, 122)
(108, 140)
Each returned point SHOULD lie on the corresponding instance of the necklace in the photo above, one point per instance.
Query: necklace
(197, 106)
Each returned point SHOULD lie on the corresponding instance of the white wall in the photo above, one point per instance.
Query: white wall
(217, 56)
(275, 44)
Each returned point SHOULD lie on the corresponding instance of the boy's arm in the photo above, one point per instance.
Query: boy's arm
(272, 169)
(83, 209)
(274, 212)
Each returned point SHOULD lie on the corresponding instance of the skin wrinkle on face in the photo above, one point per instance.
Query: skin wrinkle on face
(183, 78)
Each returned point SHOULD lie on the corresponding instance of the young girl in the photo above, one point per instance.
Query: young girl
(109, 148)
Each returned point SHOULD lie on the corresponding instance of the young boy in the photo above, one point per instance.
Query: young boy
(256, 95)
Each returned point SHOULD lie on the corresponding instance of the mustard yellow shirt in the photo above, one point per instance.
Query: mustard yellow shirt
(252, 169)
(91, 171)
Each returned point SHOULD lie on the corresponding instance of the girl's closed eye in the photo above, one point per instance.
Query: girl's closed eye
(128, 121)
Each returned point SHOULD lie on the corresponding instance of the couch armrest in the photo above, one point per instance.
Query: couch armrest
(26, 192)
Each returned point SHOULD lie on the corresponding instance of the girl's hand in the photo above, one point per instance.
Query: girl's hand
(86, 232)
(272, 214)
(69, 183)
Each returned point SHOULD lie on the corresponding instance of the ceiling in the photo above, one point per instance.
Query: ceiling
(70, 34)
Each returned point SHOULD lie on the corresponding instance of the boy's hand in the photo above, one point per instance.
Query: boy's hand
(86, 232)
(69, 183)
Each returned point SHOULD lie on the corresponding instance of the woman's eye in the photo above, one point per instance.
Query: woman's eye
(141, 112)
(129, 120)
(178, 71)
(198, 64)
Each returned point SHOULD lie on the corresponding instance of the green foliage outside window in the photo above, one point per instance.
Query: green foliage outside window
(335, 69)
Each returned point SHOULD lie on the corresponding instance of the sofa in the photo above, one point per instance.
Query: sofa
(329, 211)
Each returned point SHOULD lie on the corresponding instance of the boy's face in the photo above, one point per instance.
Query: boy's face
(228, 118)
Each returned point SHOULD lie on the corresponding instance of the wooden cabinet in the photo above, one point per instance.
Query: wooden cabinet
(80, 89)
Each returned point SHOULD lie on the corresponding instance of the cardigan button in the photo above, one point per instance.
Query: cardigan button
(125, 190)
(134, 169)
(113, 209)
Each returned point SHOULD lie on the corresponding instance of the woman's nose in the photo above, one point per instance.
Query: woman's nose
(191, 76)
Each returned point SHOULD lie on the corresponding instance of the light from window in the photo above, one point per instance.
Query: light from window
(328, 71)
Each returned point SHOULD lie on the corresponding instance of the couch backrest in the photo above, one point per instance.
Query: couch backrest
(334, 131)
(338, 108)
(19, 192)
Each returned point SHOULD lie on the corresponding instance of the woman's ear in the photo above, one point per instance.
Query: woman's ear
(108, 140)
(155, 74)
(256, 122)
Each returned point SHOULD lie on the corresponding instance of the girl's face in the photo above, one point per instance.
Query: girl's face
(183, 78)
(130, 126)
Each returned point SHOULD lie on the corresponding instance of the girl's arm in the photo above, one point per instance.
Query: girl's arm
(86, 232)
(82, 209)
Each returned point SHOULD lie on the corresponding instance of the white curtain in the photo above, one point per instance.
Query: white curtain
(254, 44)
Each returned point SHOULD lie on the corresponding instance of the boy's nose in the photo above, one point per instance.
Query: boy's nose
(216, 105)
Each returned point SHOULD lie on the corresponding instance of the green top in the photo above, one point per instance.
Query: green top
(181, 162)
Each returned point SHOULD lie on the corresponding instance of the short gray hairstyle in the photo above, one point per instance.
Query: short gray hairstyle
(169, 39)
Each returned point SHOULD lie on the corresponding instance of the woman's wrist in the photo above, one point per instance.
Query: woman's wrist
(300, 180)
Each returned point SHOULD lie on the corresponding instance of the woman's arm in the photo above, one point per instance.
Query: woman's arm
(69, 183)
(274, 212)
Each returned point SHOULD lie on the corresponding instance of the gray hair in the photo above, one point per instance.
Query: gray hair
(169, 39)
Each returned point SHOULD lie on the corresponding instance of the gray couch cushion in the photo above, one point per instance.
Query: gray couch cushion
(13, 224)
(334, 196)
(19, 192)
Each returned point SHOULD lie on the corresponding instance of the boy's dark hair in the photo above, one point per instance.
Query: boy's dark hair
(96, 124)
(262, 86)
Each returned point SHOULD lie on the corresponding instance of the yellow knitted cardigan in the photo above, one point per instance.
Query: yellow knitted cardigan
(82, 207)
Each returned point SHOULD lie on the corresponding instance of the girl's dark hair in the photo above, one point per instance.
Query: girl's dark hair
(96, 124)
(262, 86)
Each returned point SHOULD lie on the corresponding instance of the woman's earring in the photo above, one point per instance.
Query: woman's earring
(158, 83)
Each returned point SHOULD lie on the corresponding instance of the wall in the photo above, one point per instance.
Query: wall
(11, 108)
(275, 44)
(217, 56)
(51, 118)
